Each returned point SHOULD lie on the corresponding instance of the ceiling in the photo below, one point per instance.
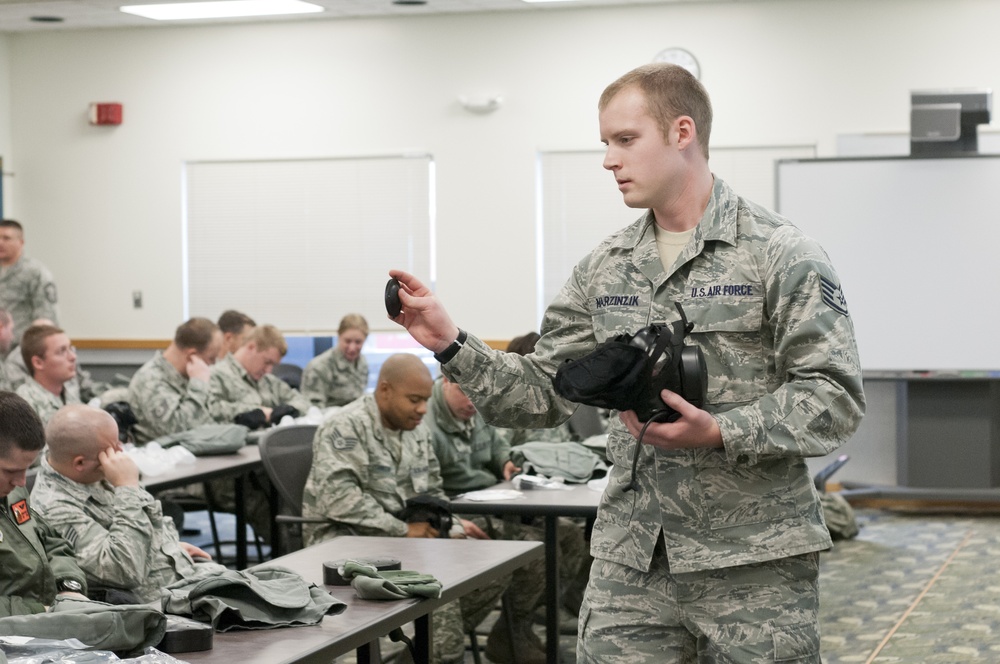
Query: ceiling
(16, 15)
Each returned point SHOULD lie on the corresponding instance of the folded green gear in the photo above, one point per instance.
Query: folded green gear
(369, 583)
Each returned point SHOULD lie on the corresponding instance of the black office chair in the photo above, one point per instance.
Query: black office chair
(290, 373)
(286, 453)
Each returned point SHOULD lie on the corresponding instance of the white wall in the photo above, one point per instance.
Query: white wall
(5, 142)
(103, 206)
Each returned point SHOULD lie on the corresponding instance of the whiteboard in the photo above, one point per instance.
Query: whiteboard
(915, 242)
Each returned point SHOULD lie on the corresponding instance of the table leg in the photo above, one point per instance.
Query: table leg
(551, 590)
(241, 522)
(367, 654)
(422, 639)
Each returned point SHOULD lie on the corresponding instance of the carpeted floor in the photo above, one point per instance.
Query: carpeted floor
(910, 589)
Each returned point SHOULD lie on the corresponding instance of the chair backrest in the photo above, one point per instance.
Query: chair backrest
(586, 422)
(287, 456)
(290, 373)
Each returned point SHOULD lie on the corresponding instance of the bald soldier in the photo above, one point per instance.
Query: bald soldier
(372, 456)
(88, 490)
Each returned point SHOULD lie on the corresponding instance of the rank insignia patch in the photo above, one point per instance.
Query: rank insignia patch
(833, 295)
(21, 512)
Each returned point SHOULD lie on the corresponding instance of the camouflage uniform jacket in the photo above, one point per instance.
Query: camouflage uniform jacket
(165, 402)
(27, 292)
(44, 402)
(361, 476)
(82, 387)
(235, 392)
(120, 535)
(330, 379)
(471, 454)
(32, 556)
(784, 383)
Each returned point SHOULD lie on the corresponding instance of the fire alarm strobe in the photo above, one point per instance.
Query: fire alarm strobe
(105, 114)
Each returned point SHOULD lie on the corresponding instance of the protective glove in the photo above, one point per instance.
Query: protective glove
(280, 411)
(252, 419)
(369, 583)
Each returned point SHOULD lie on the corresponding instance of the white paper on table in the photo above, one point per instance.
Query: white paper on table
(493, 494)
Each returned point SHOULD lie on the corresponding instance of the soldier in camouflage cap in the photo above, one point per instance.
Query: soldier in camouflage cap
(27, 290)
(88, 491)
(51, 360)
(339, 375)
(170, 393)
(714, 555)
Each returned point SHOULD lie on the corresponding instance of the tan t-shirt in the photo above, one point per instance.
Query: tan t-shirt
(670, 244)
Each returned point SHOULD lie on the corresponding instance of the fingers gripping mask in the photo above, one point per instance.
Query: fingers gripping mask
(628, 372)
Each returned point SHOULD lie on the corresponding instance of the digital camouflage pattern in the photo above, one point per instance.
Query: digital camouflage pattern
(557, 434)
(27, 292)
(32, 557)
(44, 402)
(165, 402)
(234, 391)
(329, 379)
(784, 383)
(82, 386)
(119, 534)
(361, 474)
(752, 614)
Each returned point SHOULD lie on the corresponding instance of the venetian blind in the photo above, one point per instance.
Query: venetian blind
(300, 243)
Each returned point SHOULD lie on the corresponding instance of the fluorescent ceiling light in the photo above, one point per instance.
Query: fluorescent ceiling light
(221, 9)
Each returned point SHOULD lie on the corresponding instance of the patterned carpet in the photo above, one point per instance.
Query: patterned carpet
(911, 588)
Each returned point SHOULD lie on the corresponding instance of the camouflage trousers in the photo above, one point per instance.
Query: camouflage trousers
(451, 623)
(751, 614)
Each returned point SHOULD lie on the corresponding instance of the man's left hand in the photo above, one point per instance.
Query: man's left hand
(509, 470)
(695, 427)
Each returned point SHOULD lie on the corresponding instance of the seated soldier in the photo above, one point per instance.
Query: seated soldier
(235, 326)
(51, 362)
(37, 564)
(474, 455)
(372, 456)
(340, 375)
(6, 341)
(82, 386)
(170, 393)
(88, 490)
(244, 390)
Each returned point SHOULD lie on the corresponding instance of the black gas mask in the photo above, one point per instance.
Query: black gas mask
(628, 371)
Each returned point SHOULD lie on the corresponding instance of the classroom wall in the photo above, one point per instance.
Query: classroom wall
(102, 205)
(5, 125)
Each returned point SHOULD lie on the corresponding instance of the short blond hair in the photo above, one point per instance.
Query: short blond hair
(266, 337)
(353, 322)
(670, 91)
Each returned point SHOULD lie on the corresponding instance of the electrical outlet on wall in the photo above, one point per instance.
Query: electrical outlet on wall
(137, 299)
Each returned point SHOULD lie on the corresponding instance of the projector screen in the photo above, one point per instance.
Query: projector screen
(916, 244)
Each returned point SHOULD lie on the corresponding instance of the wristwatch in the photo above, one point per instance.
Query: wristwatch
(69, 586)
(444, 356)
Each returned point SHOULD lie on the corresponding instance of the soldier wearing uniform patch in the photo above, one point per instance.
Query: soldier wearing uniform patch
(27, 290)
(713, 555)
(38, 565)
(88, 491)
(368, 459)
